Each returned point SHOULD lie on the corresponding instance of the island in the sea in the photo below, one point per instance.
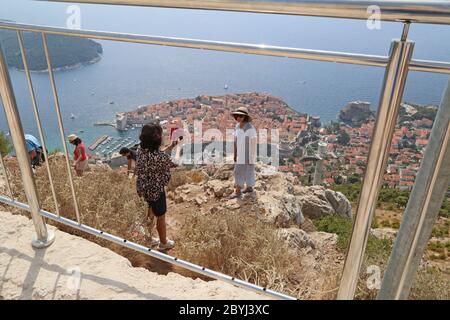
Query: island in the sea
(66, 52)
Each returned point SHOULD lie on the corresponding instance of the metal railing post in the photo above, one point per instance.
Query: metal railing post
(422, 210)
(43, 237)
(393, 87)
(37, 118)
(60, 124)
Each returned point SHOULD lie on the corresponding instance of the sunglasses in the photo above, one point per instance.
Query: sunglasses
(238, 116)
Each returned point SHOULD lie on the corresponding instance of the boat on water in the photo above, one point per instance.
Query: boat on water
(72, 116)
(111, 102)
(225, 87)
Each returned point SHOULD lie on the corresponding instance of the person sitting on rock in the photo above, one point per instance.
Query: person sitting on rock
(153, 174)
(245, 144)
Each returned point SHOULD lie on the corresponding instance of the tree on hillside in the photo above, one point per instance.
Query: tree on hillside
(5, 146)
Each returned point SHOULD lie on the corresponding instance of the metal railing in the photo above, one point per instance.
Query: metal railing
(397, 65)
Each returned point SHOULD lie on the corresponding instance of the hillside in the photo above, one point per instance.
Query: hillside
(286, 236)
(66, 52)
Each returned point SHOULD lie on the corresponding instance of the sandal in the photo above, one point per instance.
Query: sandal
(235, 196)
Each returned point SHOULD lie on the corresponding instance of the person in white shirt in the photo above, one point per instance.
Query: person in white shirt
(245, 145)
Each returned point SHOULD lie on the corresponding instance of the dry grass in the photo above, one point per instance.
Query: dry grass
(239, 245)
(182, 177)
(431, 284)
(244, 247)
(107, 199)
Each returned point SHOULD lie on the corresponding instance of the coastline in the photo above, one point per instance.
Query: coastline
(65, 68)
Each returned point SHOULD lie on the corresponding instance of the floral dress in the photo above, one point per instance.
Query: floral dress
(152, 173)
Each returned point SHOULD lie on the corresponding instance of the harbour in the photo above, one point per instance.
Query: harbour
(107, 146)
(97, 142)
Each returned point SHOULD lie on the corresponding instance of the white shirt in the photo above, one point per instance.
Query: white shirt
(246, 143)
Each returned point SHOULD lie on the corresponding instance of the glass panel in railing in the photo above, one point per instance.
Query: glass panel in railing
(290, 230)
(411, 136)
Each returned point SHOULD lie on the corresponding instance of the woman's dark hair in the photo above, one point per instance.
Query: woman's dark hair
(246, 118)
(77, 141)
(124, 151)
(151, 137)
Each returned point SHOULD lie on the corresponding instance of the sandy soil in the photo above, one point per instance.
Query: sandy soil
(74, 268)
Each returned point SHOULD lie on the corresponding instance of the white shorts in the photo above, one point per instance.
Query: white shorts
(244, 174)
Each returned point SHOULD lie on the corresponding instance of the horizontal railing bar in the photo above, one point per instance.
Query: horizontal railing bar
(258, 49)
(151, 252)
(15, 203)
(429, 66)
(265, 50)
(399, 10)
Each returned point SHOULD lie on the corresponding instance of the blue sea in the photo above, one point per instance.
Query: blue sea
(130, 75)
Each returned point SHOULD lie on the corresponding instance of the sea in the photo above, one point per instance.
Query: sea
(130, 75)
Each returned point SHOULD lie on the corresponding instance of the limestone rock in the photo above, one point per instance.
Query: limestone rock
(318, 202)
(200, 200)
(295, 238)
(281, 210)
(339, 202)
(314, 207)
(384, 233)
(103, 274)
(232, 204)
(187, 193)
(324, 239)
(224, 172)
(218, 188)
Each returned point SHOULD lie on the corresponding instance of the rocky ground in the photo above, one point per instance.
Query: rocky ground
(279, 200)
(75, 268)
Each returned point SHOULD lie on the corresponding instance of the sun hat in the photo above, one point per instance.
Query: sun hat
(72, 137)
(242, 111)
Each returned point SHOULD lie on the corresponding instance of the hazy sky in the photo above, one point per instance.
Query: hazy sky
(304, 32)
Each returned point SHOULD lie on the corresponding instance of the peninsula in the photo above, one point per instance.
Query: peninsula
(66, 52)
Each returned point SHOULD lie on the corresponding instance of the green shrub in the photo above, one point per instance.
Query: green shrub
(391, 198)
(439, 232)
(5, 146)
(343, 228)
(386, 223)
(395, 224)
(335, 224)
